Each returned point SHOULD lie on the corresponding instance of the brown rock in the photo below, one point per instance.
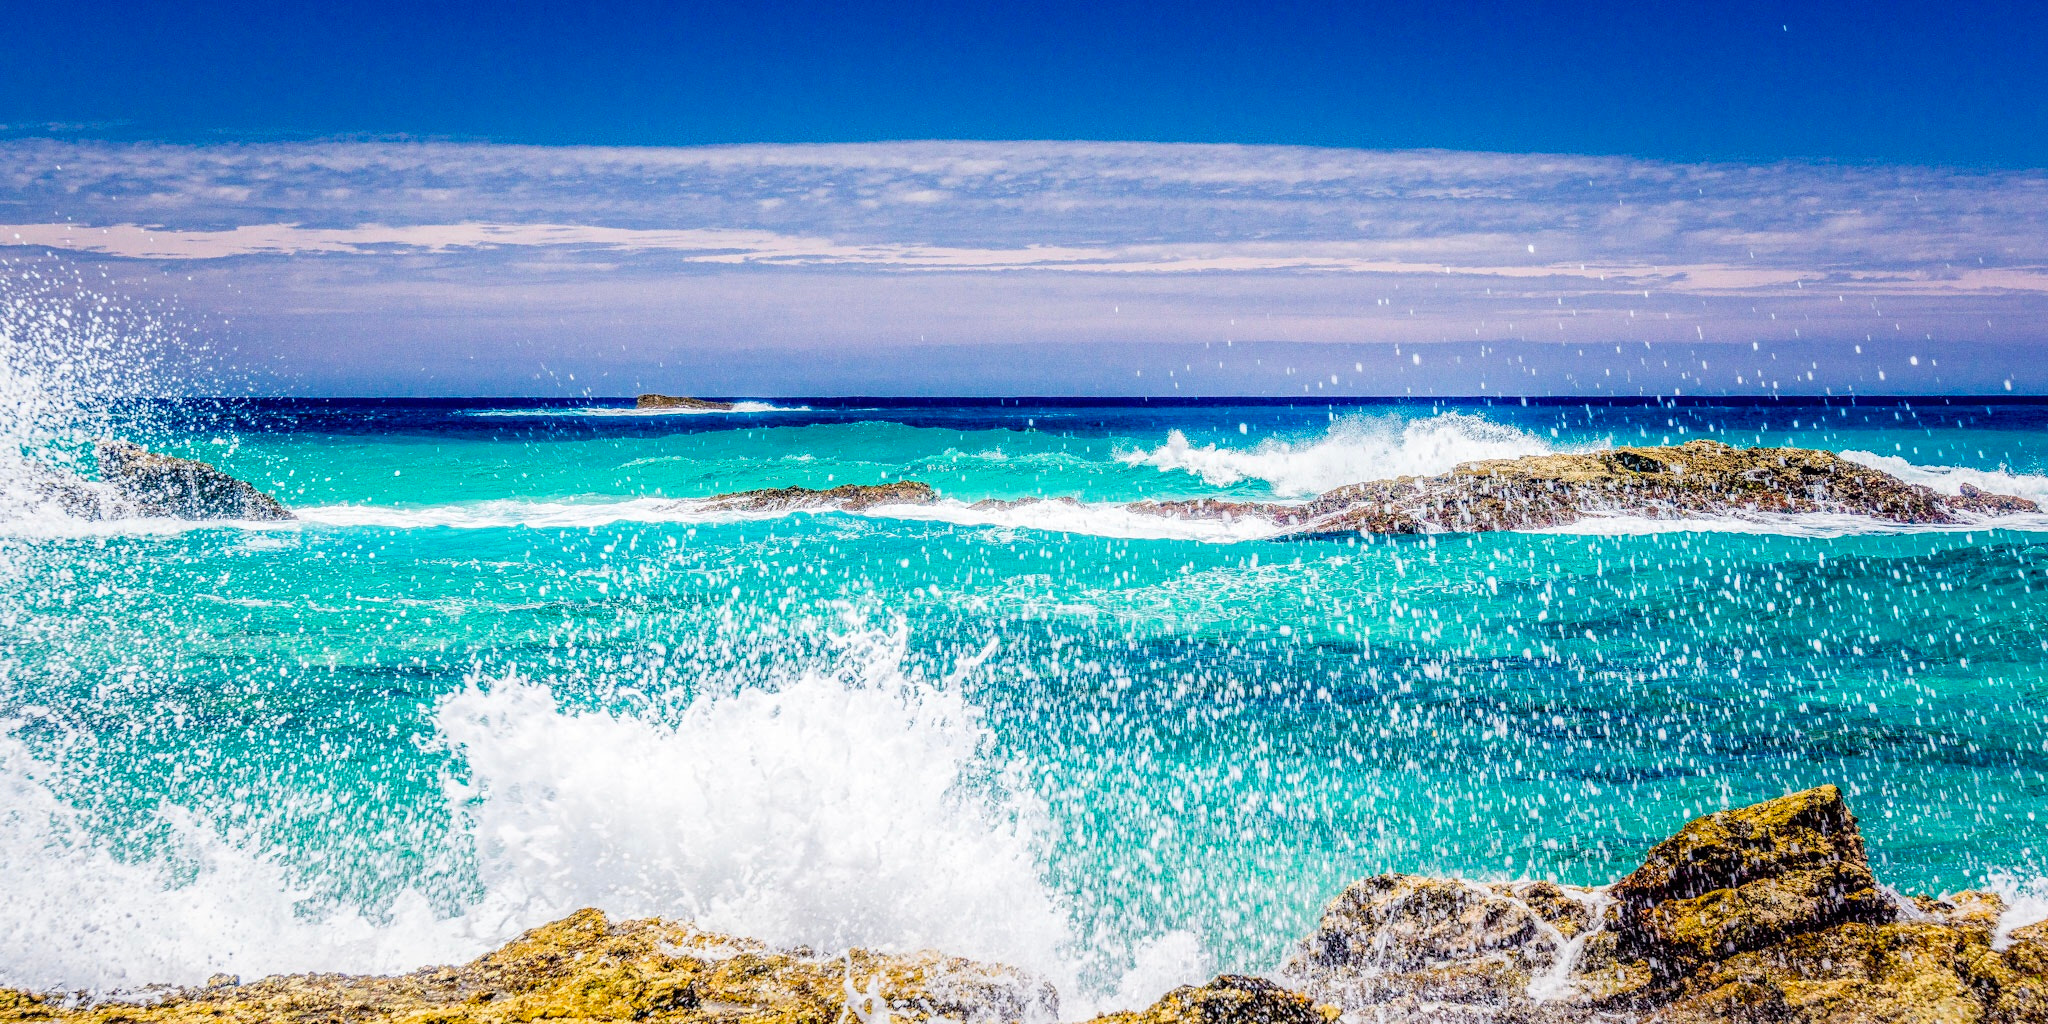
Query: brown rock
(679, 402)
(851, 497)
(1228, 999)
(1746, 878)
(1404, 947)
(586, 968)
(152, 484)
(1698, 478)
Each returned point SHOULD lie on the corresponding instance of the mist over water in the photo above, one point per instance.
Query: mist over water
(507, 665)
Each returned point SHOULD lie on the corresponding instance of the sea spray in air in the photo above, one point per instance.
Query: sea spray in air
(841, 804)
(848, 805)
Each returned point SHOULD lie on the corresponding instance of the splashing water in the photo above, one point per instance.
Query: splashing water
(1350, 451)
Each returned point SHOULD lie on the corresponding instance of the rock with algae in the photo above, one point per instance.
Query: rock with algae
(850, 497)
(1698, 478)
(587, 968)
(149, 483)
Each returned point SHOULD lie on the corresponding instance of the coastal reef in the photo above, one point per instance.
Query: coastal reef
(848, 497)
(1695, 479)
(138, 483)
(586, 967)
(681, 403)
(154, 484)
(1767, 914)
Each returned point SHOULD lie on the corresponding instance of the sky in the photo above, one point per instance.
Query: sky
(1278, 198)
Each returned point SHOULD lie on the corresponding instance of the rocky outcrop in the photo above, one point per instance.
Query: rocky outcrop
(1766, 913)
(849, 497)
(148, 483)
(1736, 881)
(1699, 478)
(587, 968)
(680, 403)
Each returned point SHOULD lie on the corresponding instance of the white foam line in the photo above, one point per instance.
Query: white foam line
(608, 411)
(1109, 520)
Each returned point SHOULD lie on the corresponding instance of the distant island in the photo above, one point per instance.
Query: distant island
(680, 402)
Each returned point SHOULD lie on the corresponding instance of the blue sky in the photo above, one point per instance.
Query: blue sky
(386, 199)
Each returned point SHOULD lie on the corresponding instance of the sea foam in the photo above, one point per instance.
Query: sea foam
(1352, 450)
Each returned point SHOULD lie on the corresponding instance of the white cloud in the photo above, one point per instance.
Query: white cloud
(1204, 243)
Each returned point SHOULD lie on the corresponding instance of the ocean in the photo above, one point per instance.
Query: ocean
(506, 665)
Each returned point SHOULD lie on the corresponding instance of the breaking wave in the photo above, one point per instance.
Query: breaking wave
(1352, 450)
(1950, 479)
(845, 804)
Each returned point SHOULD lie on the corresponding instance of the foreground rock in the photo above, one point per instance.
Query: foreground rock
(1699, 478)
(586, 968)
(850, 497)
(148, 483)
(1767, 913)
(678, 402)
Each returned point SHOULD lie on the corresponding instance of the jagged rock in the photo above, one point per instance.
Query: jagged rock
(1767, 913)
(681, 402)
(1404, 947)
(851, 497)
(1698, 478)
(587, 968)
(1228, 999)
(1745, 878)
(151, 484)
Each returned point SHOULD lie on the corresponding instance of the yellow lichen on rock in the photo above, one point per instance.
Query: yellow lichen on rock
(1228, 999)
(585, 968)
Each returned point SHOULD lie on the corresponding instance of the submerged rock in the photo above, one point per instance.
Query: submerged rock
(587, 968)
(681, 402)
(851, 497)
(1698, 478)
(148, 483)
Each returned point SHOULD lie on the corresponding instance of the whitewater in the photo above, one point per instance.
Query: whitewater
(508, 664)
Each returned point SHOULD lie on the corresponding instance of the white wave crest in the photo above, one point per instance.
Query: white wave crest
(604, 411)
(845, 805)
(2026, 903)
(836, 809)
(1950, 479)
(1352, 450)
(1088, 518)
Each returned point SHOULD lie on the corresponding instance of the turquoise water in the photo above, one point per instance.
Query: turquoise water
(505, 668)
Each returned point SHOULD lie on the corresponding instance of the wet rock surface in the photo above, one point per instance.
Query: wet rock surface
(1765, 914)
(851, 497)
(1229, 999)
(680, 402)
(140, 482)
(1698, 478)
